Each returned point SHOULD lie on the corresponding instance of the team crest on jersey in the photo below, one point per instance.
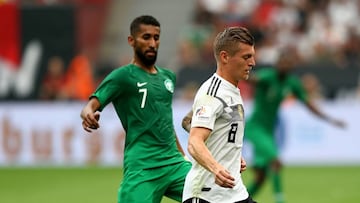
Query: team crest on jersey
(241, 111)
(203, 113)
(169, 85)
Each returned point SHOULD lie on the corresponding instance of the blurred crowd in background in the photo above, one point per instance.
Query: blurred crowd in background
(325, 35)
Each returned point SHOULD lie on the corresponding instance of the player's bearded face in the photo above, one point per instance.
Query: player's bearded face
(148, 56)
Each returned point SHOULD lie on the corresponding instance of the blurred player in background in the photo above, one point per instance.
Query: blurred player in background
(217, 124)
(142, 94)
(271, 87)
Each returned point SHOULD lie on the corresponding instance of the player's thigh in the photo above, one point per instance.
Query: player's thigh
(264, 148)
(262, 141)
(141, 187)
(177, 174)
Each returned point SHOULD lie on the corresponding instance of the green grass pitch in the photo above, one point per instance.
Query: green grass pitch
(99, 185)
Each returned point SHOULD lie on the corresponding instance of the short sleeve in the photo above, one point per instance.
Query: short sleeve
(298, 89)
(110, 88)
(206, 110)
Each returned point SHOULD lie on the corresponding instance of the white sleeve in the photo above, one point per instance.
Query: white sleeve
(206, 110)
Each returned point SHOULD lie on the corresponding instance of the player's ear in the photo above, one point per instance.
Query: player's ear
(224, 56)
(131, 40)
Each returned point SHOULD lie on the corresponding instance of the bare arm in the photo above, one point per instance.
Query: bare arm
(186, 122)
(313, 108)
(90, 115)
(202, 155)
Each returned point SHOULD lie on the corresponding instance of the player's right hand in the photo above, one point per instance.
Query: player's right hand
(90, 121)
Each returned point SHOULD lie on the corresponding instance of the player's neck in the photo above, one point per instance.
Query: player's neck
(149, 69)
(227, 77)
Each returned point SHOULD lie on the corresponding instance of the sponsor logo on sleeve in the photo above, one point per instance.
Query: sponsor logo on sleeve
(203, 113)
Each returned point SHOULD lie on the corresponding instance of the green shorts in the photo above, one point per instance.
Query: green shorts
(263, 144)
(150, 185)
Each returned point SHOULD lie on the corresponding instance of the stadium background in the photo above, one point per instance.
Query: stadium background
(40, 134)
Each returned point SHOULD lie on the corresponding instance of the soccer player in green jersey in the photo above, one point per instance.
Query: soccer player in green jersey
(272, 86)
(142, 94)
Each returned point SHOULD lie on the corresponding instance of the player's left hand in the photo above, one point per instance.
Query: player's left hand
(224, 179)
(242, 165)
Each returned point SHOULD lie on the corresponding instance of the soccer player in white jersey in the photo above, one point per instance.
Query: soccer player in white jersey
(217, 124)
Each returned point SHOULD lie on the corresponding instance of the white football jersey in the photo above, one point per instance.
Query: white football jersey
(218, 106)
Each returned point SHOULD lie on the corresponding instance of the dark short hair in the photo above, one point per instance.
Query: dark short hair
(142, 20)
(229, 39)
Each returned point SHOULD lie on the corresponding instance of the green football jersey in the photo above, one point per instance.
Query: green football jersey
(143, 102)
(270, 91)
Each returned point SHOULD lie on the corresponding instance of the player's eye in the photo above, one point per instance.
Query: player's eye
(146, 36)
(247, 56)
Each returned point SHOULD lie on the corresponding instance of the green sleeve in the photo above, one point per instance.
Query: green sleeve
(298, 89)
(111, 87)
